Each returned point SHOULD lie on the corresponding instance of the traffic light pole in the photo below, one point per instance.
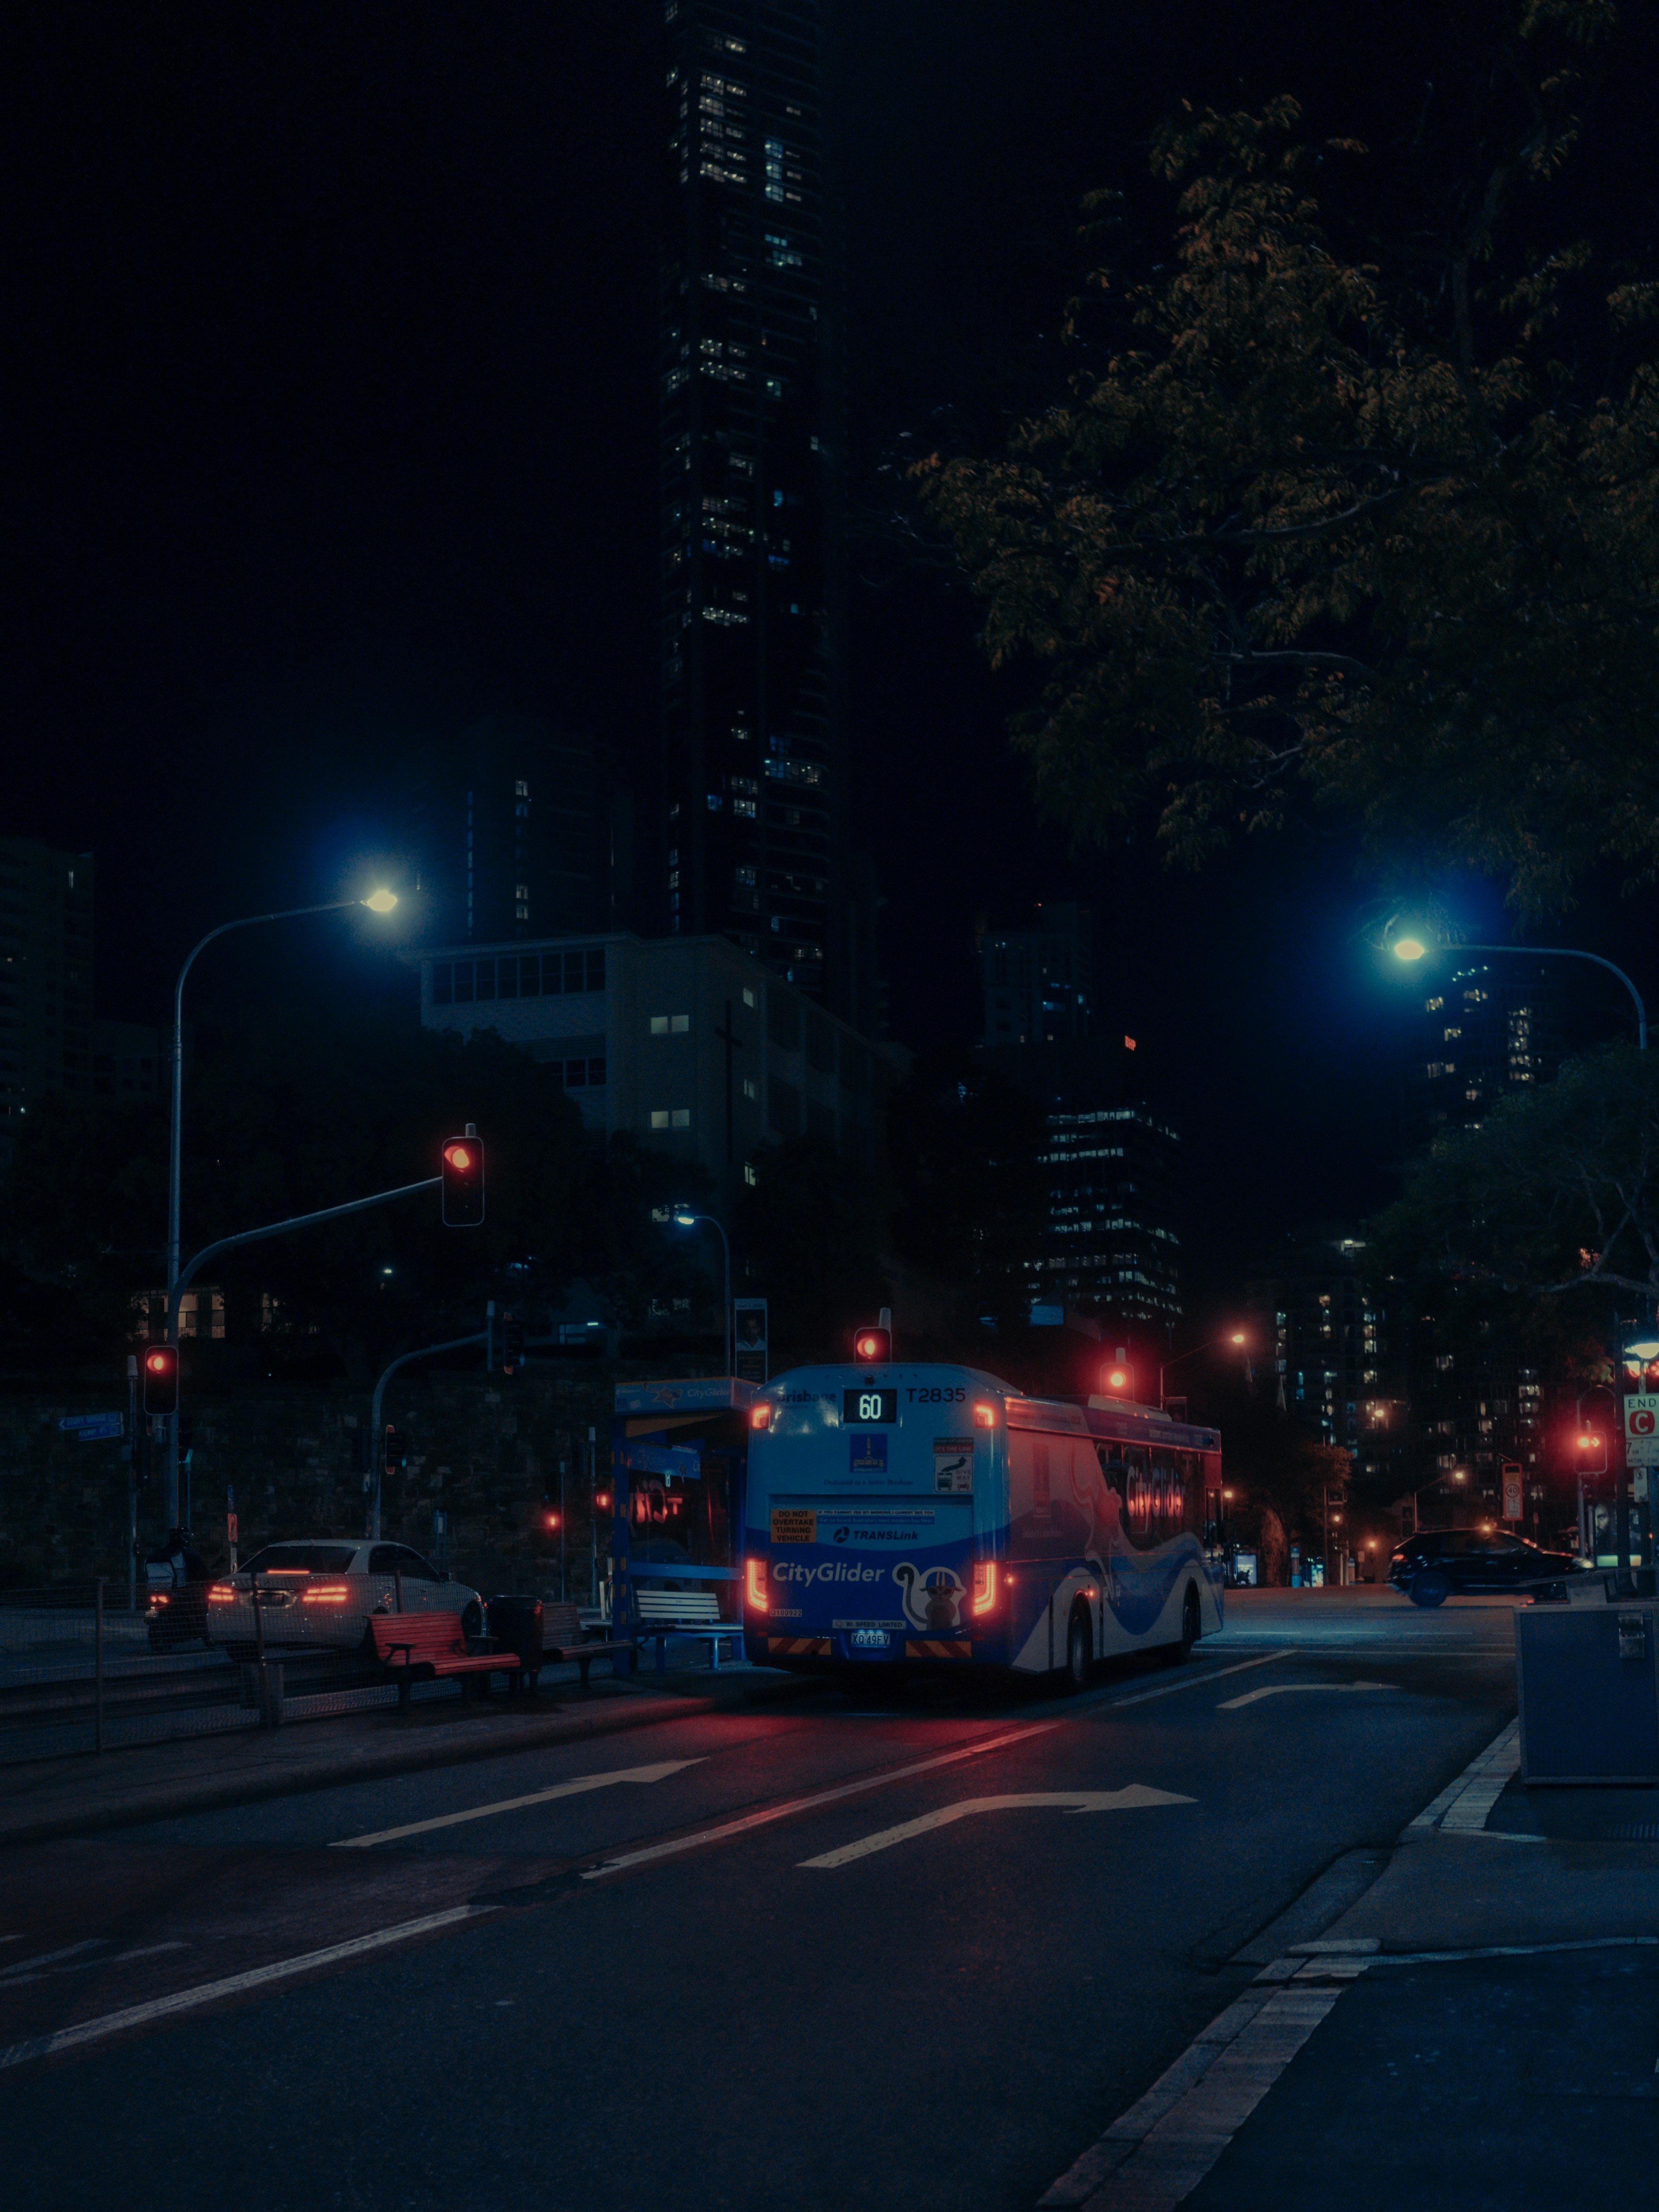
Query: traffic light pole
(427, 1352)
(175, 1283)
(186, 1275)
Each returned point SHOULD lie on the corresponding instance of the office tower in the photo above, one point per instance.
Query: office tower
(45, 973)
(1491, 1028)
(1038, 982)
(504, 826)
(753, 847)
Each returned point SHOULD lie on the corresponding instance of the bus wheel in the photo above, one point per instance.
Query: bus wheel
(1079, 1650)
(1189, 1620)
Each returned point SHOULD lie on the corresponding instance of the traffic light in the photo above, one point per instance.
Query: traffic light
(1589, 1452)
(1117, 1379)
(511, 1342)
(873, 1348)
(463, 1181)
(395, 1453)
(162, 1379)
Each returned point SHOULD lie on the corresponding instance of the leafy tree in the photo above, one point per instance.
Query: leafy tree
(297, 1111)
(973, 1196)
(1536, 1217)
(809, 1231)
(1366, 520)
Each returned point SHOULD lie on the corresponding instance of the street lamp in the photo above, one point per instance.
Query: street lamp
(1415, 942)
(686, 1218)
(1235, 1336)
(379, 902)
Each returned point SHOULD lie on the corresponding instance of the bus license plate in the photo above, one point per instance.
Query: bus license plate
(869, 1639)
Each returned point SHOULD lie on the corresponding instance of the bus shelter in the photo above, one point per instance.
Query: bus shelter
(678, 1456)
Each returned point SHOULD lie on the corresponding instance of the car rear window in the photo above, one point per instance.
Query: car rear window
(302, 1559)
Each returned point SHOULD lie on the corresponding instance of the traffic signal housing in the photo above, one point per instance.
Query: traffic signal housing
(1117, 1379)
(162, 1379)
(511, 1342)
(873, 1348)
(1589, 1452)
(462, 1173)
(395, 1449)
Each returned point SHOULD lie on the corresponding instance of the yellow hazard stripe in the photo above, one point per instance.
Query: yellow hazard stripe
(936, 1648)
(815, 1647)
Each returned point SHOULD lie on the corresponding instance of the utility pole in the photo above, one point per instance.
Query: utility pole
(132, 1482)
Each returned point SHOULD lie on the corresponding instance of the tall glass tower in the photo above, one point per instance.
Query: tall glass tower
(754, 845)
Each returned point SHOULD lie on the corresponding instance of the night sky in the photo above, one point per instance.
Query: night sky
(331, 339)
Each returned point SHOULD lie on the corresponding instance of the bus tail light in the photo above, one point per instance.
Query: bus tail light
(985, 1585)
(755, 1583)
(985, 1417)
(760, 1417)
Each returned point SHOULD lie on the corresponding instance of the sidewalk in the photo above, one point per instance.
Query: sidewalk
(87, 1793)
(1470, 2021)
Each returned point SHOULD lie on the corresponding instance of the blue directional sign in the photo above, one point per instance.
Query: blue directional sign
(93, 1428)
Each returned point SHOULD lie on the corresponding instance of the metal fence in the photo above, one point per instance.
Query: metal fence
(81, 1671)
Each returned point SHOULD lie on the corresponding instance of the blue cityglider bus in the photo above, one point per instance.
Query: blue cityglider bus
(928, 1517)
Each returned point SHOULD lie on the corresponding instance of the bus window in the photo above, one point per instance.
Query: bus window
(1112, 1467)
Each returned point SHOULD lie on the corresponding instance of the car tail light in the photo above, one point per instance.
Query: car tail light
(754, 1585)
(760, 1417)
(160, 1597)
(222, 1591)
(985, 1585)
(328, 1594)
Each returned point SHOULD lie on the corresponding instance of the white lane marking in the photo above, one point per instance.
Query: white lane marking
(139, 2015)
(1072, 1801)
(1157, 2152)
(1516, 1950)
(1285, 1689)
(576, 1789)
(51, 1958)
(1111, 1704)
(34, 1969)
(771, 1812)
(1101, 1702)
(1462, 1805)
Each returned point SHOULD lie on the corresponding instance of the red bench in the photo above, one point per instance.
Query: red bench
(424, 1647)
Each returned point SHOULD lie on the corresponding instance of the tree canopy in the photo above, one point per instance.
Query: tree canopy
(1351, 501)
(1548, 1207)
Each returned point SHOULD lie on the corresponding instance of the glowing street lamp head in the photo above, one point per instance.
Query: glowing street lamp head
(380, 901)
(1238, 1337)
(686, 1218)
(1409, 948)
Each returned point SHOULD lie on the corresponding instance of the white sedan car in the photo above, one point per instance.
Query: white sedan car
(317, 1594)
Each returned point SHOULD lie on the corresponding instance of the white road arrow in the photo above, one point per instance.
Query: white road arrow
(1070, 1801)
(1283, 1689)
(577, 1788)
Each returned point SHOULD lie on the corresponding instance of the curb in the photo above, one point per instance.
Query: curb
(169, 1801)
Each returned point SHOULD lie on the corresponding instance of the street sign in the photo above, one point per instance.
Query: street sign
(1642, 1430)
(1512, 1488)
(94, 1428)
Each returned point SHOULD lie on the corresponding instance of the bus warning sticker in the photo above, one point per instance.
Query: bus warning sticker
(791, 1525)
(953, 1465)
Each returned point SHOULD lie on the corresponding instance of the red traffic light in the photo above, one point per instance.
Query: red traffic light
(462, 1173)
(873, 1346)
(1117, 1381)
(1589, 1452)
(162, 1379)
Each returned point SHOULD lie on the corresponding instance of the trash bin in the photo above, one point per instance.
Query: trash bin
(515, 1624)
(1587, 1674)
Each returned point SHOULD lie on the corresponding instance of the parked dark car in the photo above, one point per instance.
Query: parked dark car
(1432, 1565)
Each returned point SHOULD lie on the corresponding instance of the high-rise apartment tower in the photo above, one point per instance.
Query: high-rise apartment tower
(754, 845)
